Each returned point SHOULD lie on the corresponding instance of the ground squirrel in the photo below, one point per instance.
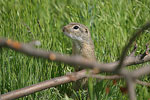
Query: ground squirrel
(82, 42)
(82, 45)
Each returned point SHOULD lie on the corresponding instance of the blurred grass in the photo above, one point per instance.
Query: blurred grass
(111, 24)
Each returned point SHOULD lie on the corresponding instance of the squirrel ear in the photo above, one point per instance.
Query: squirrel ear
(86, 30)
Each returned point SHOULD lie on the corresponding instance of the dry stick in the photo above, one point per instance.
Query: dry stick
(142, 83)
(129, 79)
(43, 85)
(135, 74)
(131, 86)
(114, 77)
(132, 39)
(28, 49)
(103, 77)
(141, 71)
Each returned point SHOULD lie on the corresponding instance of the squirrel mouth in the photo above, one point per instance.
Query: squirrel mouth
(73, 37)
(67, 33)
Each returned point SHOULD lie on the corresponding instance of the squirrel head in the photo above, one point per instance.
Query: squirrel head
(77, 32)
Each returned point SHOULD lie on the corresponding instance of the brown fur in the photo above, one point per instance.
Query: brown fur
(82, 45)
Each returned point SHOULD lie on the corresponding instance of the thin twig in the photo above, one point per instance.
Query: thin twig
(142, 83)
(114, 77)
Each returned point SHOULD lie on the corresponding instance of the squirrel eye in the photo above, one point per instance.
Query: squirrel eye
(75, 27)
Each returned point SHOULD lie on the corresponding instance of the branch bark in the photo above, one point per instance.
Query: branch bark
(71, 60)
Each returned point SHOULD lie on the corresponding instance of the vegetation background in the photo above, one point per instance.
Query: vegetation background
(111, 23)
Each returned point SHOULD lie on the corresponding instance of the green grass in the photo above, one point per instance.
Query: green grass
(111, 23)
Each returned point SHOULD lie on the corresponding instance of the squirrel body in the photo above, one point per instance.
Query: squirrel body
(82, 45)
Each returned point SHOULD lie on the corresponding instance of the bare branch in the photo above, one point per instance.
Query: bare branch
(43, 85)
(114, 77)
(131, 86)
(72, 60)
(131, 40)
(142, 83)
(141, 71)
(104, 77)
